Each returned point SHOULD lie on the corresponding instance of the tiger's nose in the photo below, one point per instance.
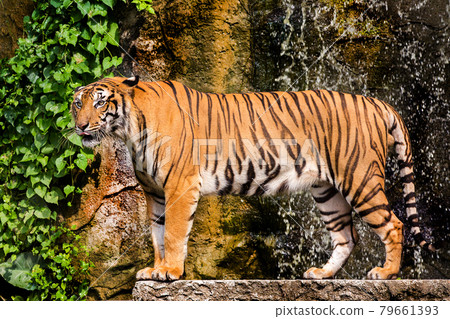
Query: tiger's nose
(82, 126)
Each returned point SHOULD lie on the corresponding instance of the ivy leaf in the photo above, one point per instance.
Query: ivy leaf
(58, 76)
(68, 189)
(53, 196)
(68, 35)
(18, 272)
(40, 190)
(56, 3)
(29, 100)
(3, 219)
(75, 139)
(85, 34)
(48, 70)
(18, 68)
(62, 121)
(81, 161)
(109, 3)
(116, 61)
(82, 67)
(98, 9)
(69, 152)
(30, 192)
(91, 48)
(72, 37)
(106, 63)
(32, 76)
(46, 87)
(31, 170)
(47, 149)
(84, 7)
(43, 123)
(40, 140)
(19, 169)
(99, 26)
(46, 179)
(35, 113)
(10, 116)
(29, 156)
(28, 215)
(13, 183)
(43, 213)
(34, 180)
(54, 107)
(22, 129)
(88, 152)
(50, 56)
(67, 3)
(78, 57)
(97, 71)
(43, 160)
(113, 34)
(99, 42)
(60, 163)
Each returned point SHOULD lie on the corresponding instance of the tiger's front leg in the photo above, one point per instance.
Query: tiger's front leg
(179, 212)
(156, 211)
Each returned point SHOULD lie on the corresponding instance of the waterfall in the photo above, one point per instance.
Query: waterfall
(395, 51)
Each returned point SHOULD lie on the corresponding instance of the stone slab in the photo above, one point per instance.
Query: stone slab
(293, 290)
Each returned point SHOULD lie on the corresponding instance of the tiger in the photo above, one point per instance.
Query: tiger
(185, 144)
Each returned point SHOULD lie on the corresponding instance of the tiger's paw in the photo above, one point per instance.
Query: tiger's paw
(160, 273)
(145, 274)
(167, 273)
(381, 273)
(317, 273)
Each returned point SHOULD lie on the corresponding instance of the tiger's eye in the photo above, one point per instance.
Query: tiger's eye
(100, 103)
(78, 104)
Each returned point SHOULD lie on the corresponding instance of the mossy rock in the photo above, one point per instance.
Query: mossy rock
(226, 241)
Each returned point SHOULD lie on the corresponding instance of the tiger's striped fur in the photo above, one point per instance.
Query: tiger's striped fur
(185, 144)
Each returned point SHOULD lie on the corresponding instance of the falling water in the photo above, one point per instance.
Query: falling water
(394, 52)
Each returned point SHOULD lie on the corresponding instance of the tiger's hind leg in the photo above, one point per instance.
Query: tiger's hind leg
(374, 209)
(337, 215)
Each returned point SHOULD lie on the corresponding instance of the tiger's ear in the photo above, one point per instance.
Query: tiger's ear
(79, 88)
(133, 81)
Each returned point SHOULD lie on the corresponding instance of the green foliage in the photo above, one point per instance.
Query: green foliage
(18, 272)
(144, 5)
(67, 46)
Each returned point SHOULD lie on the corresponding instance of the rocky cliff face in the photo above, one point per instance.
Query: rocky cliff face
(204, 44)
(111, 217)
(11, 24)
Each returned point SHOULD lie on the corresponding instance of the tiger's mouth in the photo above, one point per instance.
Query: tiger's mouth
(89, 139)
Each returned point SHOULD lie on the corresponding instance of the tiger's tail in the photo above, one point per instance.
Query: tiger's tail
(402, 148)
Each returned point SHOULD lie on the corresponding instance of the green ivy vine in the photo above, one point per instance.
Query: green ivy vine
(68, 44)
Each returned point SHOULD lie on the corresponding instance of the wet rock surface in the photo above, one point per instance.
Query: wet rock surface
(290, 290)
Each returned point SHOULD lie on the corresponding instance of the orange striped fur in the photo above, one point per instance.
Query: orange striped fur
(185, 144)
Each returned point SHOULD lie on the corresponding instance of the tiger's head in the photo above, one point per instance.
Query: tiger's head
(98, 108)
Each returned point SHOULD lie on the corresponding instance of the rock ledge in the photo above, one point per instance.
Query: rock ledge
(290, 290)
